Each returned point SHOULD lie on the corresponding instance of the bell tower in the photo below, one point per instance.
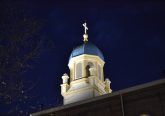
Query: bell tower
(86, 79)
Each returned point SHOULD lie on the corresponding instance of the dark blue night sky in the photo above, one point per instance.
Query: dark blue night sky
(130, 35)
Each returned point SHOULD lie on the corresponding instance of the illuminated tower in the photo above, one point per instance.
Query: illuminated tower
(86, 79)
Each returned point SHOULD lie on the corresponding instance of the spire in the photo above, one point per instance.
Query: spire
(85, 34)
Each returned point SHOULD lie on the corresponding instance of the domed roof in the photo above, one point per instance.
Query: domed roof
(86, 48)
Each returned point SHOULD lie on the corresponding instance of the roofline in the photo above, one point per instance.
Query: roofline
(120, 92)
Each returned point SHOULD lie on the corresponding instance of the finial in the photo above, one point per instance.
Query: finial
(85, 34)
(65, 74)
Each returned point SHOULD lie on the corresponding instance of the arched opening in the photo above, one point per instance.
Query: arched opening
(99, 72)
(78, 70)
(88, 66)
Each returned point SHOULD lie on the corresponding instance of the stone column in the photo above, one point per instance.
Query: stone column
(92, 71)
(107, 85)
(65, 85)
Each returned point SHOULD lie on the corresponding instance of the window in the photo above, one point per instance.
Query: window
(78, 70)
(89, 65)
(99, 72)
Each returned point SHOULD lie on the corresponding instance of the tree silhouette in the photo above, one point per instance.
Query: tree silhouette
(20, 46)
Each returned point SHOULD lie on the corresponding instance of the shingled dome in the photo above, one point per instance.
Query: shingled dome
(86, 48)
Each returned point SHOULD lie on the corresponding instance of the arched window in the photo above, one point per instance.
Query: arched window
(87, 71)
(78, 70)
(99, 72)
(89, 65)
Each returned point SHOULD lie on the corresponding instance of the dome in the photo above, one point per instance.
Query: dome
(86, 48)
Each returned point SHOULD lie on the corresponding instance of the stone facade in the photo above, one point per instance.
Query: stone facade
(86, 79)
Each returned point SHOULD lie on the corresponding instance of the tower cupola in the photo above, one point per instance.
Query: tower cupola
(86, 79)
